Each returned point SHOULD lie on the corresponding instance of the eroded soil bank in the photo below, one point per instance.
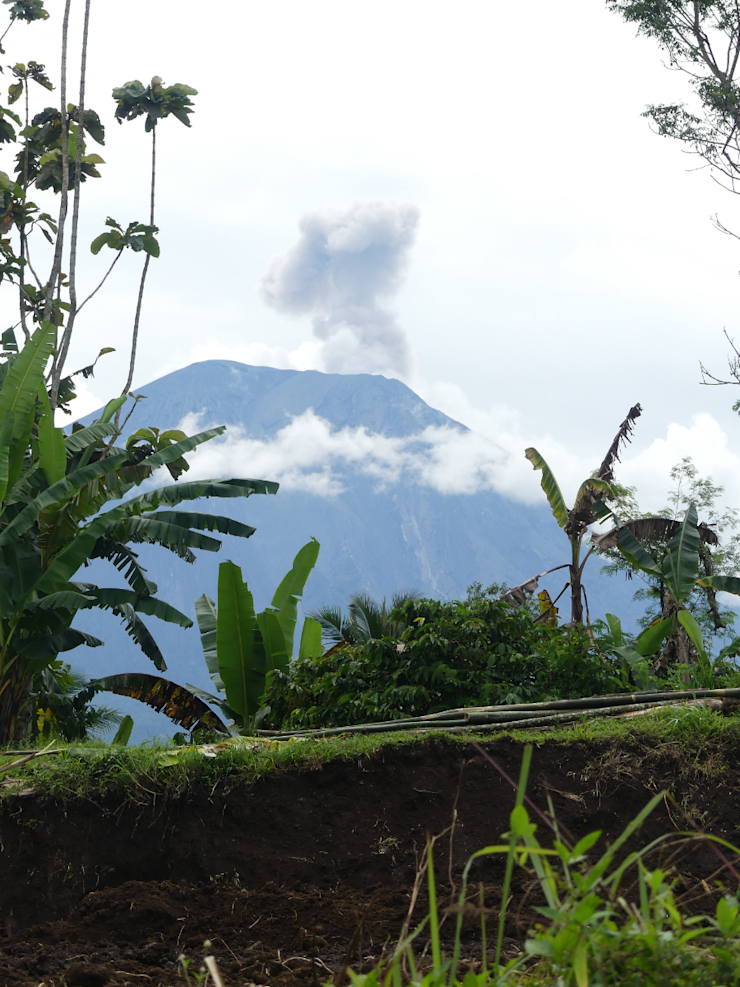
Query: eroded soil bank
(299, 871)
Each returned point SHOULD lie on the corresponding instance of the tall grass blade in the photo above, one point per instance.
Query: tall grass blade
(521, 788)
(433, 917)
(483, 940)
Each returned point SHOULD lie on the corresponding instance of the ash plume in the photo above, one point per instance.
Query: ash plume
(343, 270)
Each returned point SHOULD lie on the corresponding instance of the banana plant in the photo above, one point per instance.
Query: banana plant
(679, 571)
(66, 499)
(575, 520)
(243, 649)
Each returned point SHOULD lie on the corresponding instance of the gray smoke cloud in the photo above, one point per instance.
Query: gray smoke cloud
(342, 271)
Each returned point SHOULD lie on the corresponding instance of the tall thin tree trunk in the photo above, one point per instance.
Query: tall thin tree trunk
(56, 266)
(67, 335)
(135, 337)
(22, 229)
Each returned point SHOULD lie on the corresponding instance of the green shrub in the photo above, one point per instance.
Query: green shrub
(464, 653)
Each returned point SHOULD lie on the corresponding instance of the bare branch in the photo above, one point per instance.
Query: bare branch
(733, 362)
(105, 278)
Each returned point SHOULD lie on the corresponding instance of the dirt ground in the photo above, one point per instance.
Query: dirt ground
(295, 875)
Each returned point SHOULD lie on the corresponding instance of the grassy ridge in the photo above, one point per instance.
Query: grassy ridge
(138, 773)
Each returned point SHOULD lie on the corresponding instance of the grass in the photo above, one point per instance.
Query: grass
(700, 739)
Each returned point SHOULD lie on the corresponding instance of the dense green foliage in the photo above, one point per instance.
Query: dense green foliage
(460, 653)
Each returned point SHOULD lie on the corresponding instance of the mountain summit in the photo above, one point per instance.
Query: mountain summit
(263, 400)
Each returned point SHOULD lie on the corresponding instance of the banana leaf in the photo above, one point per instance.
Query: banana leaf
(310, 646)
(47, 646)
(204, 522)
(273, 641)
(682, 558)
(52, 450)
(550, 485)
(76, 553)
(175, 701)
(18, 394)
(22, 381)
(19, 573)
(217, 701)
(239, 647)
(123, 733)
(690, 625)
(141, 635)
(635, 554)
(70, 599)
(84, 437)
(60, 491)
(285, 600)
(125, 560)
(730, 650)
(205, 612)
(615, 629)
(6, 434)
(588, 494)
(149, 529)
(653, 636)
(175, 493)
(150, 605)
(721, 584)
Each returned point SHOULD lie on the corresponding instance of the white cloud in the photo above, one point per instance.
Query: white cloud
(307, 455)
(704, 441)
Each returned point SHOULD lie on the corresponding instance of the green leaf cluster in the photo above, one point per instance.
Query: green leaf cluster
(40, 160)
(27, 10)
(137, 236)
(154, 102)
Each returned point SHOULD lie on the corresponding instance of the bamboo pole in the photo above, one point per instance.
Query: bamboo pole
(516, 716)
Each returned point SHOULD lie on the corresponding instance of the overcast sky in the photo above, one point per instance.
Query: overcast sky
(540, 260)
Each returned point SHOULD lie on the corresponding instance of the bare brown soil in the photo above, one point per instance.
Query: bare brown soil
(294, 874)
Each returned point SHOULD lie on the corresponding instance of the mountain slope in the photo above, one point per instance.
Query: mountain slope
(378, 534)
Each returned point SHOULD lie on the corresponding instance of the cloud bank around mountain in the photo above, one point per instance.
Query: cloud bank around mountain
(308, 455)
(343, 271)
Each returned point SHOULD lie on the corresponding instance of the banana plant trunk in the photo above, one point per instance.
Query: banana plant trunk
(575, 570)
(576, 603)
(13, 724)
(677, 647)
